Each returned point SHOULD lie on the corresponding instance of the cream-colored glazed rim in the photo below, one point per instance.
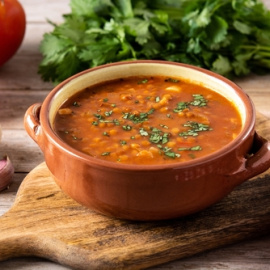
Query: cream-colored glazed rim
(148, 69)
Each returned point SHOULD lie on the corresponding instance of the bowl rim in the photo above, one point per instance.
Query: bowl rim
(247, 129)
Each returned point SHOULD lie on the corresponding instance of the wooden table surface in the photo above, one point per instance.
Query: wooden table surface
(21, 86)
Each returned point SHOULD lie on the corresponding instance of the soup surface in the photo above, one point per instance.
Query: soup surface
(153, 120)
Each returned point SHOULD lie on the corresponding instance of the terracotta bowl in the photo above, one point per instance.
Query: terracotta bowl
(148, 192)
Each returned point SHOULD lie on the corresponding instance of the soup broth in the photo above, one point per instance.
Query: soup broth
(147, 120)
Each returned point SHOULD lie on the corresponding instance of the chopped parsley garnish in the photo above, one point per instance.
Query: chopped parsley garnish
(143, 81)
(158, 136)
(105, 153)
(76, 104)
(193, 148)
(167, 152)
(181, 106)
(164, 126)
(196, 148)
(137, 118)
(76, 138)
(143, 132)
(127, 127)
(122, 142)
(172, 80)
(198, 100)
(172, 154)
(116, 122)
(195, 128)
(108, 113)
(105, 100)
(98, 116)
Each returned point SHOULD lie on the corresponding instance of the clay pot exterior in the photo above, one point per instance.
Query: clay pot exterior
(148, 192)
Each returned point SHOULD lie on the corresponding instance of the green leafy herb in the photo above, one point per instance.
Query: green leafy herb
(98, 116)
(194, 129)
(181, 106)
(143, 132)
(164, 126)
(116, 122)
(127, 127)
(198, 100)
(168, 152)
(226, 36)
(108, 113)
(172, 154)
(143, 81)
(193, 148)
(105, 153)
(137, 118)
(76, 138)
(172, 80)
(158, 136)
(76, 104)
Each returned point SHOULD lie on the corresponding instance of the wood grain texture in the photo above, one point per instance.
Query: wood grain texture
(46, 223)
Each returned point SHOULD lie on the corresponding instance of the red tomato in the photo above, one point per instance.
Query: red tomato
(12, 28)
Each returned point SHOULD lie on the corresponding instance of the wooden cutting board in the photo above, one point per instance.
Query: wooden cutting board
(46, 223)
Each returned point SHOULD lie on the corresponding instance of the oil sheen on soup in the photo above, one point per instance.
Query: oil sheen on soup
(147, 120)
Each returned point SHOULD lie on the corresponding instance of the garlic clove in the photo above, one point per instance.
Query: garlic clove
(6, 172)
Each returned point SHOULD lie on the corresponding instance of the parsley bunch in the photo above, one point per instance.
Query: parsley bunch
(230, 37)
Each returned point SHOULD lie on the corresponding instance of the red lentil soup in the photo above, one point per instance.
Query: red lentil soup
(149, 120)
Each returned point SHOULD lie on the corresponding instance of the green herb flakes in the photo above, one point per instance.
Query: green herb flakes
(194, 129)
(76, 104)
(143, 81)
(143, 132)
(199, 101)
(127, 127)
(108, 113)
(105, 153)
(181, 106)
(172, 80)
(193, 148)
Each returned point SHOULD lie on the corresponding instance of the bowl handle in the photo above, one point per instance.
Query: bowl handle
(32, 123)
(257, 162)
